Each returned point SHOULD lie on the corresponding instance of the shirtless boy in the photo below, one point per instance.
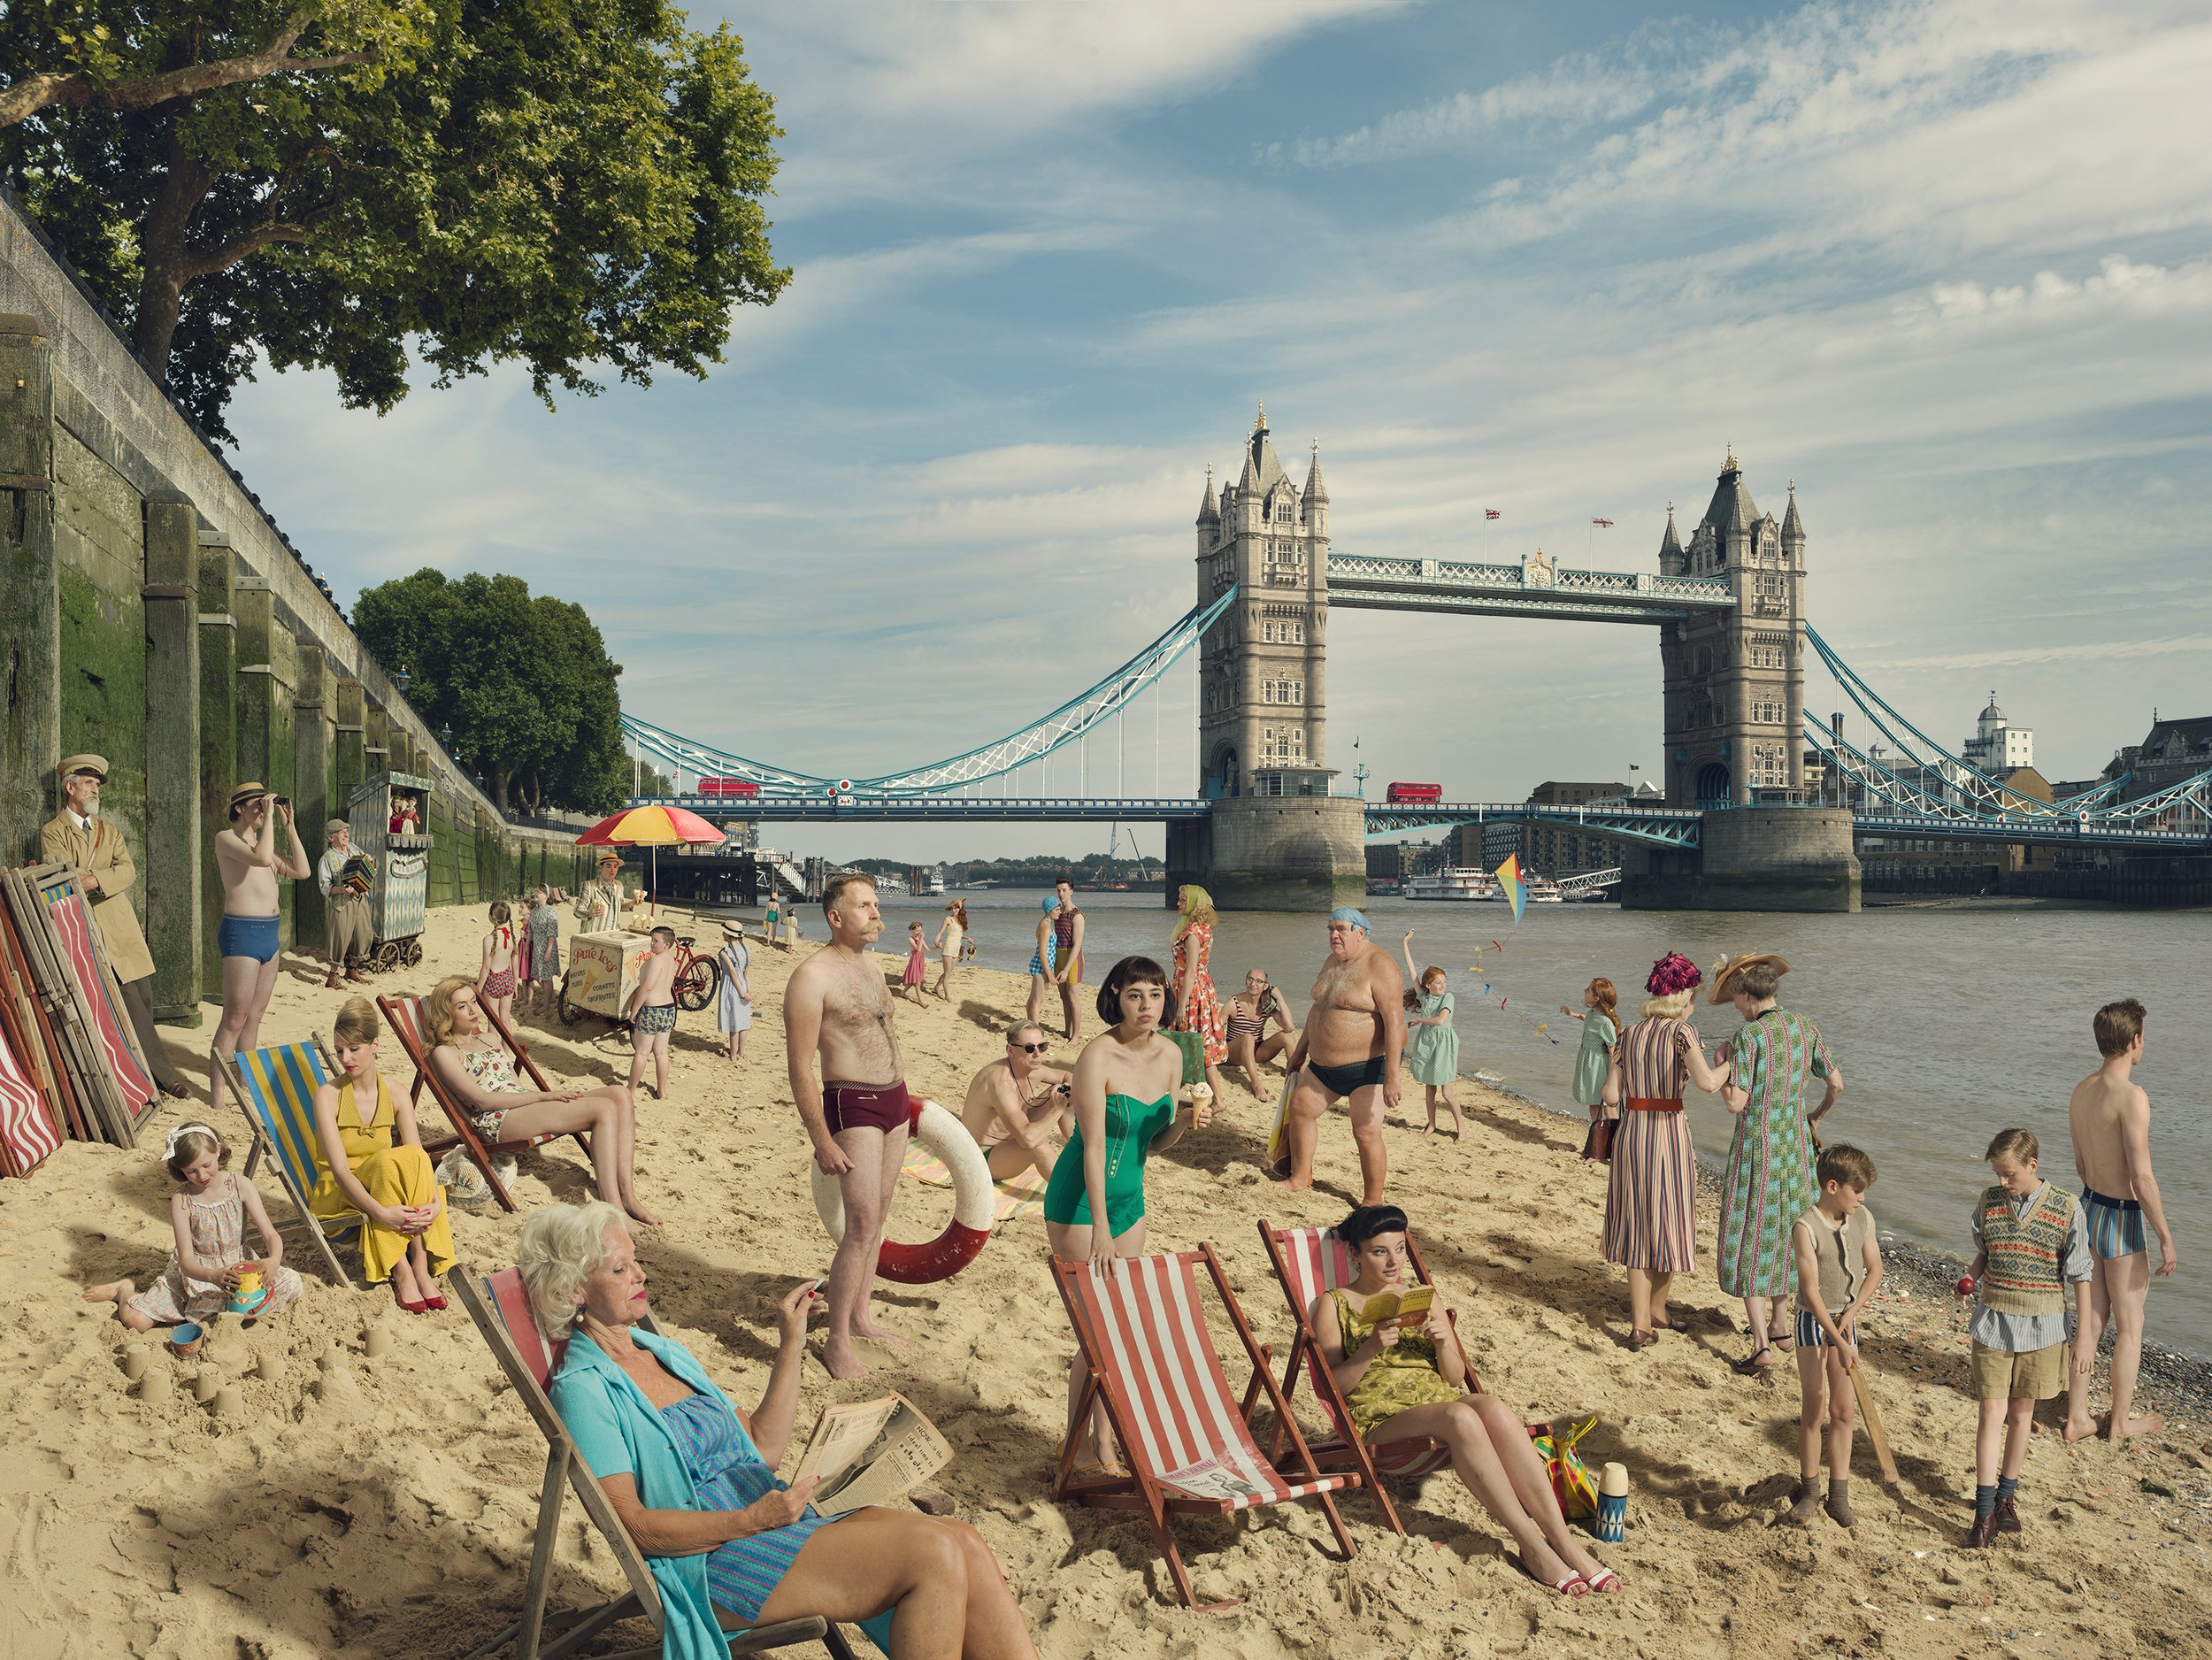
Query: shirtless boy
(652, 1012)
(2110, 1118)
(1016, 1105)
(837, 1007)
(246, 855)
(1355, 1033)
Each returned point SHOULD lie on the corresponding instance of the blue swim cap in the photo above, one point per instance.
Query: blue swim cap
(1346, 913)
(1052, 904)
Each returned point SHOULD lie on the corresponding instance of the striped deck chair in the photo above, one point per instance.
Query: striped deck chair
(1188, 1440)
(501, 1308)
(1309, 1262)
(277, 1086)
(404, 1016)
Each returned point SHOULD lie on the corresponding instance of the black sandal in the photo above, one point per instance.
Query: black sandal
(1749, 1366)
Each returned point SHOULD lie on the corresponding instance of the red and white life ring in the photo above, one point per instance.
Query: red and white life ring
(972, 1203)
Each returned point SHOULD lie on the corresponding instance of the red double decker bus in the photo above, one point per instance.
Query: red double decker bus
(728, 786)
(1415, 793)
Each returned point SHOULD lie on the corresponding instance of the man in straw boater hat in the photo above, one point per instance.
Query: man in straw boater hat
(1769, 1183)
(353, 935)
(252, 930)
(599, 906)
(77, 836)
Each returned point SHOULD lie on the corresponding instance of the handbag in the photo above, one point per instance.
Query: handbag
(1597, 1146)
(1570, 1481)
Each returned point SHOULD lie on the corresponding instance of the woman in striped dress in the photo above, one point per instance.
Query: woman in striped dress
(1651, 1198)
(1769, 1182)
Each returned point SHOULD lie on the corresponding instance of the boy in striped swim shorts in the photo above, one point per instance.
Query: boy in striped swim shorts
(1838, 1265)
(2110, 1118)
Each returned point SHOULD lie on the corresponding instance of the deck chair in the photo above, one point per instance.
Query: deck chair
(1188, 1440)
(501, 1308)
(276, 1086)
(404, 1016)
(1308, 1263)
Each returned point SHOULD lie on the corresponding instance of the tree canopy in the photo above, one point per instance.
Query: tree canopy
(523, 680)
(570, 185)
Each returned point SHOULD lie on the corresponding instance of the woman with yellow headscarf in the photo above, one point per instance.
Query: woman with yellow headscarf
(1197, 1007)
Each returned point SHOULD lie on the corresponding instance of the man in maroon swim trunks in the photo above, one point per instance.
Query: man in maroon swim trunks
(837, 1006)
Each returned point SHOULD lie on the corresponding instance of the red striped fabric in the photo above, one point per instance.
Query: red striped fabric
(74, 925)
(28, 1134)
(1186, 1422)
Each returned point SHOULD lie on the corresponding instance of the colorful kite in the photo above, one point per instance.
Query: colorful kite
(1509, 875)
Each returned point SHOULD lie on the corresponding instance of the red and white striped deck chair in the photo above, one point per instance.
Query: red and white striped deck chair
(1309, 1263)
(404, 1016)
(1186, 1438)
(501, 1308)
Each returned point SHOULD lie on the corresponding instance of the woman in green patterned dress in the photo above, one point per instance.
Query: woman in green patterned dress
(1769, 1181)
(1406, 1378)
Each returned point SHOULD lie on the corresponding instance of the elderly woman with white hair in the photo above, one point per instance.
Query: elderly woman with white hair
(694, 1479)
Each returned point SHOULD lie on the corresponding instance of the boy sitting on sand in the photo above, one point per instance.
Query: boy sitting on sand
(2031, 1247)
(652, 1012)
(1838, 1265)
(2110, 1118)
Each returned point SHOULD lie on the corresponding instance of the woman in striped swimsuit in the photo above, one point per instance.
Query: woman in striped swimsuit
(1248, 1017)
(1651, 1198)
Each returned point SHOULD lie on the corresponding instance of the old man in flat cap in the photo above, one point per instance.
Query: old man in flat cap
(79, 837)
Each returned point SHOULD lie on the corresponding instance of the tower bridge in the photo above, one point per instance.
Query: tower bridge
(1270, 828)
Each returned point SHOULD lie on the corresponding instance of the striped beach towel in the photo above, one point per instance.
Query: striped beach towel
(1020, 1195)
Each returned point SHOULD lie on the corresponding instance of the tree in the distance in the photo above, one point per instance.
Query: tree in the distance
(524, 681)
(564, 184)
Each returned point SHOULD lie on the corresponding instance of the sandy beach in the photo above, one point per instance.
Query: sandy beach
(383, 1507)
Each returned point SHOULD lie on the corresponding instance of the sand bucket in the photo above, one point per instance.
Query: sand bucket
(185, 1339)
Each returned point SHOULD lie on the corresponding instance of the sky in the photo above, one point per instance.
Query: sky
(1947, 267)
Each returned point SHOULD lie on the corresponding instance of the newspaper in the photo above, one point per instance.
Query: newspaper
(1212, 1478)
(870, 1452)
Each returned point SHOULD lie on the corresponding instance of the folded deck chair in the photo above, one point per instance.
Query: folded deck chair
(404, 1016)
(501, 1308)
(1188, 1440)
(1309, 1263)
(277, 1088)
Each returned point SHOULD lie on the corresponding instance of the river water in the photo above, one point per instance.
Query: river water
(1949, 1021)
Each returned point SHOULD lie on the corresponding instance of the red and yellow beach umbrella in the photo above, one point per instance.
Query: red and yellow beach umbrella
(655, 827)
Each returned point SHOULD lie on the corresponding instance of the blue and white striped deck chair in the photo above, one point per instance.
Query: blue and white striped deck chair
(277, 1085)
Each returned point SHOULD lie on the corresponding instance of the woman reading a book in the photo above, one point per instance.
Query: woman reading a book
(1389, 1343)
(694, 1479)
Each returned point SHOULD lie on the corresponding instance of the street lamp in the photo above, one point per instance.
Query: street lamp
(445, 737)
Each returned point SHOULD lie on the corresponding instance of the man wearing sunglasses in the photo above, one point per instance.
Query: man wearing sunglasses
(1018, 1109)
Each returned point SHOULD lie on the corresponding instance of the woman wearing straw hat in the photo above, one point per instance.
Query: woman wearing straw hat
(734, 1014)
(1769, 1183)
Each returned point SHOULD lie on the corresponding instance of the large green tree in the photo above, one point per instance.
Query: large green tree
(572, 185)
(523, 680)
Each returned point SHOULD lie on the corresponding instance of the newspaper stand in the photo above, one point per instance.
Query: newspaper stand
(399, 893)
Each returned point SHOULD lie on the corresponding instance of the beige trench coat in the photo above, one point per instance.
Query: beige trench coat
(102, 854)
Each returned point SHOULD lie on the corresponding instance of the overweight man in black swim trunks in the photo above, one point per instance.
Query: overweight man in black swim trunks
(837, 1007)
(1355, 1033)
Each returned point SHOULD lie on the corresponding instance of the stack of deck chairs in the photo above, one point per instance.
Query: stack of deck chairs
(70, 1062)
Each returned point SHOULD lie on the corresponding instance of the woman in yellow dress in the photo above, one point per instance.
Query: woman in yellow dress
(1406, 1379)
(373, 1163)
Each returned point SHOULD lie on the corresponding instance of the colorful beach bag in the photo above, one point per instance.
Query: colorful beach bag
(1570, 1481)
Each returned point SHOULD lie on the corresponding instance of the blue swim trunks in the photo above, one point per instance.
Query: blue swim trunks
(247, 936)
(2116, 1225)
(655, 1017)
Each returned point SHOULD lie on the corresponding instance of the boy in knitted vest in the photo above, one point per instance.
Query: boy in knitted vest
(2031, 1247)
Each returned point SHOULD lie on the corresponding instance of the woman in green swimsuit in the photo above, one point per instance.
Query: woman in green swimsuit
(1126, 1083)
(1407, 1379)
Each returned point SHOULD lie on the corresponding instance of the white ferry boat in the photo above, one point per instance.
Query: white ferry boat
(1544, 891)
(1452, 884)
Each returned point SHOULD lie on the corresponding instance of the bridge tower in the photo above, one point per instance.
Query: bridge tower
(1276, 839)
(1735, 682)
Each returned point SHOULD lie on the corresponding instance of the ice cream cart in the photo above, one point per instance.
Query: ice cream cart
(389, 815)
(602, 973)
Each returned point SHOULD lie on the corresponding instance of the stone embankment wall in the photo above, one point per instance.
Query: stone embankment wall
(150, 611)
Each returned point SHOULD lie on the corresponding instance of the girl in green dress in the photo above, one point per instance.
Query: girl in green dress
(1127, 1081)
(1432, 1044)
(1405, 1380)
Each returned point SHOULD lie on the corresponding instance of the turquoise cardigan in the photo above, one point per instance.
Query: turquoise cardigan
(618, 1432)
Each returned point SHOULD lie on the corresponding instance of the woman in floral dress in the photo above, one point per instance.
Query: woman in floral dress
(1769, 1182)
(1197, 1007)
